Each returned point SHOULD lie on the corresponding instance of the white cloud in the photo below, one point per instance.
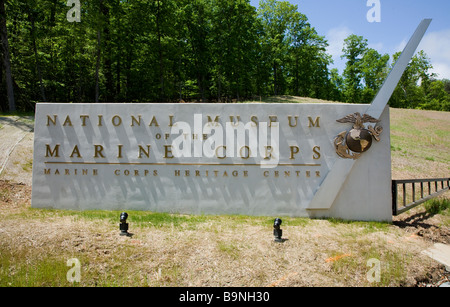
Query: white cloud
(377, 46)
(336, 37)
(437, 46)
(400, 46)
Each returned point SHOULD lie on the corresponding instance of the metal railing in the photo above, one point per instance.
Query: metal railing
(410, 193)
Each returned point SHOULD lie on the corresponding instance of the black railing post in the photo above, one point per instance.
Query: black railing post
(438, 190)
(394, 197)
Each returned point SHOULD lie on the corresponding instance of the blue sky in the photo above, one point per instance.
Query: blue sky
(336, 19)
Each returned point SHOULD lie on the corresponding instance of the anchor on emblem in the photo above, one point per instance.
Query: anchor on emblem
(351, 144)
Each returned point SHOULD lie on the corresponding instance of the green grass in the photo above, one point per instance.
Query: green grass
(123, 265)
(438, 206)
(418, 135)
(21, 269)
(392, 265)
(143, 219)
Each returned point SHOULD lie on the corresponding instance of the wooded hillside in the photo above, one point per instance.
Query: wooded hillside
(190, 50)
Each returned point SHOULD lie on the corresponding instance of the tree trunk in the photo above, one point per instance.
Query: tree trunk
(160, 52)
(6, 57)
(97, 67)
(36, 57)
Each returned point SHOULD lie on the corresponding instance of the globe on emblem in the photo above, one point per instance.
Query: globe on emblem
(359, 140)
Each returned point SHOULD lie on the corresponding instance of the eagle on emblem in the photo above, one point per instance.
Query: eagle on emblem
(350, 144)
(358, 120)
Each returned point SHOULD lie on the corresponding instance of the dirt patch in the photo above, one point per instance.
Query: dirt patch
(221, 252)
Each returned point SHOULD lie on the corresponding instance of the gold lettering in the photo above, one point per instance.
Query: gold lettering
(224, 151)
(134, 120)
(170, 120)
(117, 172)
(168, 152)
(116, 120)
(52, 153)
(315, 123)
(248, 152)
(47, 171)
(98, 151)
(119, 149)
(216, 120)
(296, 121)
(75, 151)
(146, 152)
(269, 150)
(254, 119)
(294, 150)
(67, 121)
(100, 117)
(316, 150)
(83, 119)
(154, 122)
(272, 119)
(234, 123)
(49, 119)
(177, 172)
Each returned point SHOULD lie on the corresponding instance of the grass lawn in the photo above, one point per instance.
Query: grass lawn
(37, 247)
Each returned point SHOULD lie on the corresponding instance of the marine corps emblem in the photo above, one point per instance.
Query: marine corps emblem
(351, 144)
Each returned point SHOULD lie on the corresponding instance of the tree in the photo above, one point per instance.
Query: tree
(374, 70)
(354, 49)
(234, 50)
(437, 97)
(309, 61)
(196, 19)
(6, 58)
(276, 18)
(408, 94)
(336, 85)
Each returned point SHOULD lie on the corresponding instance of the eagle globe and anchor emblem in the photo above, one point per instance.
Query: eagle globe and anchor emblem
(351, 144)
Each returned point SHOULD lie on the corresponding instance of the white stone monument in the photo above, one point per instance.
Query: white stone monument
(308, 160)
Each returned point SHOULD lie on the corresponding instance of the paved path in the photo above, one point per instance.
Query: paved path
(441, 253)
(12, 130)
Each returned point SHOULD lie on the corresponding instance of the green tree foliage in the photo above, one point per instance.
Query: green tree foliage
(408, 93)
(365, 70)
(188, 50)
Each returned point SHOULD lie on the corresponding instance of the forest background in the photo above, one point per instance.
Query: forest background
(190, 50)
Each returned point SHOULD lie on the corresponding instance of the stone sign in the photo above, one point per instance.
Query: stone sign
(253, 159)
(310, 160)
